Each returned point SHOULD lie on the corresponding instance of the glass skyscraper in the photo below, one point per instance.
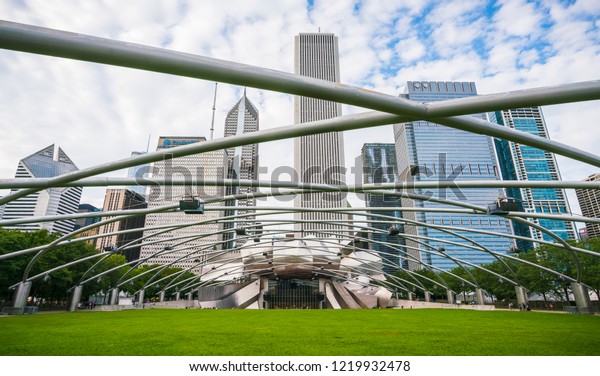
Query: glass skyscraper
(138, 172)
(46, 163)
(242, 161)
(431, 152)
(379, 166)
(521, 162)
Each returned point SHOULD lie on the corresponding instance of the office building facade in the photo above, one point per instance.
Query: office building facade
(138, 172)
(589, 202)
(83, 222)
(379, 166)
(46, 163)
(242, 163)
(187, 244)
(431, 152)
(122, 199)
(521, 162)
(318, 158)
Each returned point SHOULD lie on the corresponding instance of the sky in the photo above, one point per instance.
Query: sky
(98, 113)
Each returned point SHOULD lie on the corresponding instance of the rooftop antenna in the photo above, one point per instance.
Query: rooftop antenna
(148, 144)
(212, 123)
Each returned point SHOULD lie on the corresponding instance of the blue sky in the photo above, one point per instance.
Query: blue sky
(98, 113)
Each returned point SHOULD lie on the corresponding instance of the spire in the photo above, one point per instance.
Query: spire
(212, 123)
(62, 157)
(46, 152)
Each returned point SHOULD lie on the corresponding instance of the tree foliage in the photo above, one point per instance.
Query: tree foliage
(56, 285)
(534, 279)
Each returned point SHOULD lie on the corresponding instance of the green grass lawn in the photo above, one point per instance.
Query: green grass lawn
(301, 332)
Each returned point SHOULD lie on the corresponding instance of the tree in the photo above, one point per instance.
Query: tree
(55, 285)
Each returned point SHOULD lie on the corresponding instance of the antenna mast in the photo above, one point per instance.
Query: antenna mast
(212, 123)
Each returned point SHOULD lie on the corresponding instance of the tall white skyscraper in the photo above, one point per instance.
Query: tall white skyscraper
(170, 246)
(46, 163)
(318, 158)
(242, 161)
(589, 201)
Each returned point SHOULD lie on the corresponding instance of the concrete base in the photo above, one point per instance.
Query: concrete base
(480, 296)
(75, 298)
(114, 296)
(522, 299)
(21, 295)
(582, 298)
(427, 296)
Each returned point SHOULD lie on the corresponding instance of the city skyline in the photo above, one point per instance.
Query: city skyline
(497, 54)
(435, 143)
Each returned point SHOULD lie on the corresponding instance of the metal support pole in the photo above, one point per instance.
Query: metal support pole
(582, 298)
(450, 295)
(21, 294)
(480, 296)
(141, 296)
(522, 301)
(410, 296)
(114, 296)
(161, 296)
(75, 298)
(177, 295)
(189, 296)
(427, 296)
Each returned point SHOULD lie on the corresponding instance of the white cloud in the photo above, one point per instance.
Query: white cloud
(410, 50)
(518, 18)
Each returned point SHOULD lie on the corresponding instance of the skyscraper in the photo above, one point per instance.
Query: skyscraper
(379, 166)
(46, 163)
(242, 161)
(318, 158)
(122, 199)
(138, 172)
(431, 152)
(589, 202)
(186, 241)
(82, 222)
(521, 162)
